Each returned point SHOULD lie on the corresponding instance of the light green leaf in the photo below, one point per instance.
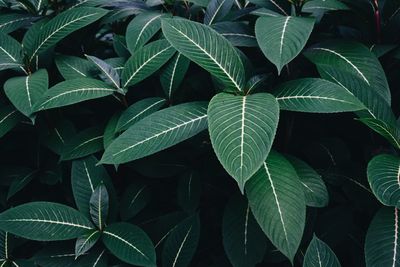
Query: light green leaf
(242, 129)
(99, 206)
(10, 52)
(281, 39)
(217, 10)
(130, 244)
(13, 21)
(319, 254)
(157, 132)
(134, 199)
(173, 73)
(189, 190)
(323, 5)
(181, 243)
(60, 26)
(387, 130)
(25, 92)
(73, 91)
(381, 243)
(72, 67)
(244, 242)
(218, 57)
(315, 95)
(84, 243)
(277, 201)
(9, 118)
(110, 74)
(51, 221)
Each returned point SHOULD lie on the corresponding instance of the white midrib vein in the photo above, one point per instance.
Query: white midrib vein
(160, 133)
(246, 222)
(107, 74)
(279, 7)
(283, 36)
(28, 94)
(8, 54)
(75, 69)
(140, 113)
(99, 211)
(181, 246)
(312, 97)
(126, 242)
(57, 30)
(48, 221)
(85, 242)
(144, 28)
(98, 258)
(277, 203)
(171, 82)
(319, 258)
(216, 12)
(88, 176)
(396, 233)
(136, 195)
(242, 135)
(389, 133)
(8, 115)
(12, 21)
(210, 56)
(87, 141)
(144, 64)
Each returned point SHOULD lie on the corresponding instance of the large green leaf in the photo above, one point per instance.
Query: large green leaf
(207, 48)
(317, 96)
(319, 254)
(60, 26)
(217, 10)
(244, 242)
(181, 243)
(50, 221)
(242, 129)
(73, 91)
(382, 240)
(130, 244)
(146, 61)
(72, 67)
(158, 131)
(25, 92)
(10, 52)
(277, 201)
(282, 38)
(99, 203)
(9, 117)
(173, 73)
(383, 177)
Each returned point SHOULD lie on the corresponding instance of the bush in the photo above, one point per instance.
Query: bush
(199, 133)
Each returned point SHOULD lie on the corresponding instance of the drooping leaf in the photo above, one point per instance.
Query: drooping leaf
(25, 92)
(277, 201)
(99, 203)
(20, 182)
(110, 74)
(320, 254)
(242, 129)
(73, 91)
(173, 73)
(158, 131)
(181, 243)
(244, 242)
(72, 67)
(219, 57)
(189, 190)
(281, 39)
(9, 117)
(239, 34)
(146, 61)
(13, 21)
(10, 52)
(86, 242)
(50, 221)
(134, 199)
(130, 244)
(217, 10)
(381, 243)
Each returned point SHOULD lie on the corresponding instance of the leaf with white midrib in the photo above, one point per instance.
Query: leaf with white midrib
(109, 72)
(217, 10)
(10, 52)
(86, 242)
(320, 254)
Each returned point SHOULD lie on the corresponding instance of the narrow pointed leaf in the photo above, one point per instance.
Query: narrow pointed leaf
(158, 131)
(319, 254)
(51, 221)
(99, 203)
(218, 57)
(134, 199)
(281, 39)
(173, 73)
(109, 73)
(10, 52)
(130, 244)
(84, 243)
(242, 129)
(277, 201)
(217, 10)
(9, 117)
(72, 67)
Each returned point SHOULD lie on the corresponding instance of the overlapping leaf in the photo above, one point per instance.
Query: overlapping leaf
(72, 67)
(109, 73)
(173, 73)
(9, 117)
(14, 21)
(320, 254)
(239, 34)
(10, 52)
(217, 10)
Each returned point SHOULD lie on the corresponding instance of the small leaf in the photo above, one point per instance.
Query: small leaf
(86, 242)
(173, 73)
(20, 182)
(134, 199)
(110, 74)
(99, 206)
(189, 190)
(320, 254)
(9, 117)
(217, 10)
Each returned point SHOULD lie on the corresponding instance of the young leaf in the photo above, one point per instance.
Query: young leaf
(244, 242)
(130, 244)
(25, 92)
(320, 254)
(99, 206)
(134, 200)
(277, 201)
(317, 96)
(173, 73)
(110, 74)
(73, 91)
(217, 10)
(146, 61)
(158, 131)
(189, 190)
(281, 39)
(381, 243)
(9, 117)
(10, 52)
(86, 242)
(218, 56)
(72, 67)
(50, 221)
(242, 129)
(181, 243)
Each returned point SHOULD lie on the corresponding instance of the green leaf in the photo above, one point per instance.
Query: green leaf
(239, 34)
(9, 118)
(265, 12)
(141, 29)
(157, 132)
(244, 242)
(138, 111)
(86, 242)
(146, 61)
(13, 21)
(99, 206)
(218, 57)
(317, 96)
(320, 254)
(242, 129)
(189, 190)
(58, 135)
(50, 221)
(173, 73)
(134, 199)
(387, 130)
(4, 250)
(217, 10)
(314, 187)
(111, 76)
(181, 243)
(25, 92)
(20, 182)
(130, 244)
(277, 201)
(256, 83)
(61, 26)
(383, 177)
(281, 39)
(72, 67)
(10, 52)
(381, 243)
(323, 5)
(110, 132)
(73, 91)
(87, 142)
